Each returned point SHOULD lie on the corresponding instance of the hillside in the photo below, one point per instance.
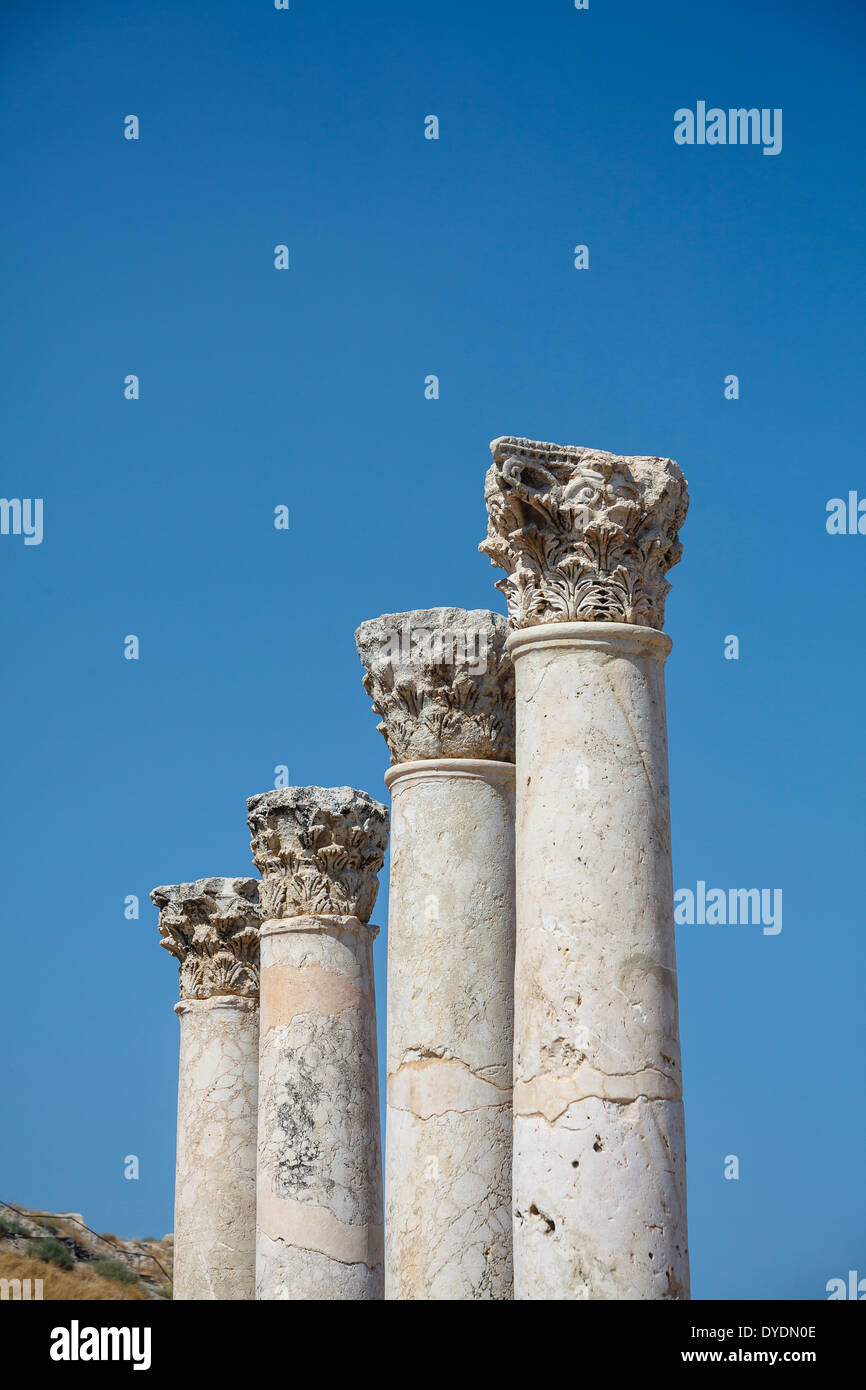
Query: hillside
(75, 1262)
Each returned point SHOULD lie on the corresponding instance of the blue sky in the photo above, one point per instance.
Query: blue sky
(306, 388)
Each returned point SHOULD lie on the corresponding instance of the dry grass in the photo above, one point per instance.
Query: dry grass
(61, 1283)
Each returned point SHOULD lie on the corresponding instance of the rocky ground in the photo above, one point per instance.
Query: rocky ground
(75, 1262)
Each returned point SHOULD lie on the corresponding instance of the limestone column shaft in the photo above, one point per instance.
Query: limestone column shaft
(212, 927)
(599, 1145)
(443, 685)
(319, 1189)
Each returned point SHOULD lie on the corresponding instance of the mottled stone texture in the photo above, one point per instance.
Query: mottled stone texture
(441, 682)
(443, 685)
(599, 1149)
(212, 927)
(586, 539)
(319, 1193)
(585, 536)
(450, 981)
(215, 1189)
(320, 1205)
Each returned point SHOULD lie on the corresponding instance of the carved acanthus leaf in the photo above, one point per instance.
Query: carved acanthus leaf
(318, 849)
(441, 682)
(583, 535)
(212, 927)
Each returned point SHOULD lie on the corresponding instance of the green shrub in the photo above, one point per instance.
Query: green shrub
(9, 1228)
(116, 1270)
(52, 1250)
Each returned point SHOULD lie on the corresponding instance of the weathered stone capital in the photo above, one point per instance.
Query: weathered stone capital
(212, 926)
(442, 683)
(318, 850)
(584, 536)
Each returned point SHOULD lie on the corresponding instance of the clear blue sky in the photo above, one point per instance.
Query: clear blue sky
(306, 388)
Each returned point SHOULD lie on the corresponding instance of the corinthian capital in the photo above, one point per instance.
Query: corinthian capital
(441, 682)
(212, 927)
(318, 850)
(582, 535)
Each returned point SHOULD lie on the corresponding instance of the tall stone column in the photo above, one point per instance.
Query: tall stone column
(444, 688)
(212, 927)
(599, 1150)
(319, 1236)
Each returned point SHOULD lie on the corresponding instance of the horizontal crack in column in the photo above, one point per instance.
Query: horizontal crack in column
(551, 1095)
(441, 1085)
(326, 1254)
(311, 1226)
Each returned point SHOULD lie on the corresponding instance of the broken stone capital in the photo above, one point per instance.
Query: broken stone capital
(319, 850)
(441, 682)
(212, 927)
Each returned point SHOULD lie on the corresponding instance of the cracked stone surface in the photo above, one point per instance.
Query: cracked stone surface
(319, 1186)
(617, 1229)
(215, 1190)
(599, 1149)
(451, 1231)
(211, 926)
(319, 1159)
(450, 1031)
(583, 535)
(442, 683)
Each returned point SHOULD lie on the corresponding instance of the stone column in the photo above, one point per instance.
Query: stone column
(319, 1235)
(444, 688)
(599, 1150)
(212, 927)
